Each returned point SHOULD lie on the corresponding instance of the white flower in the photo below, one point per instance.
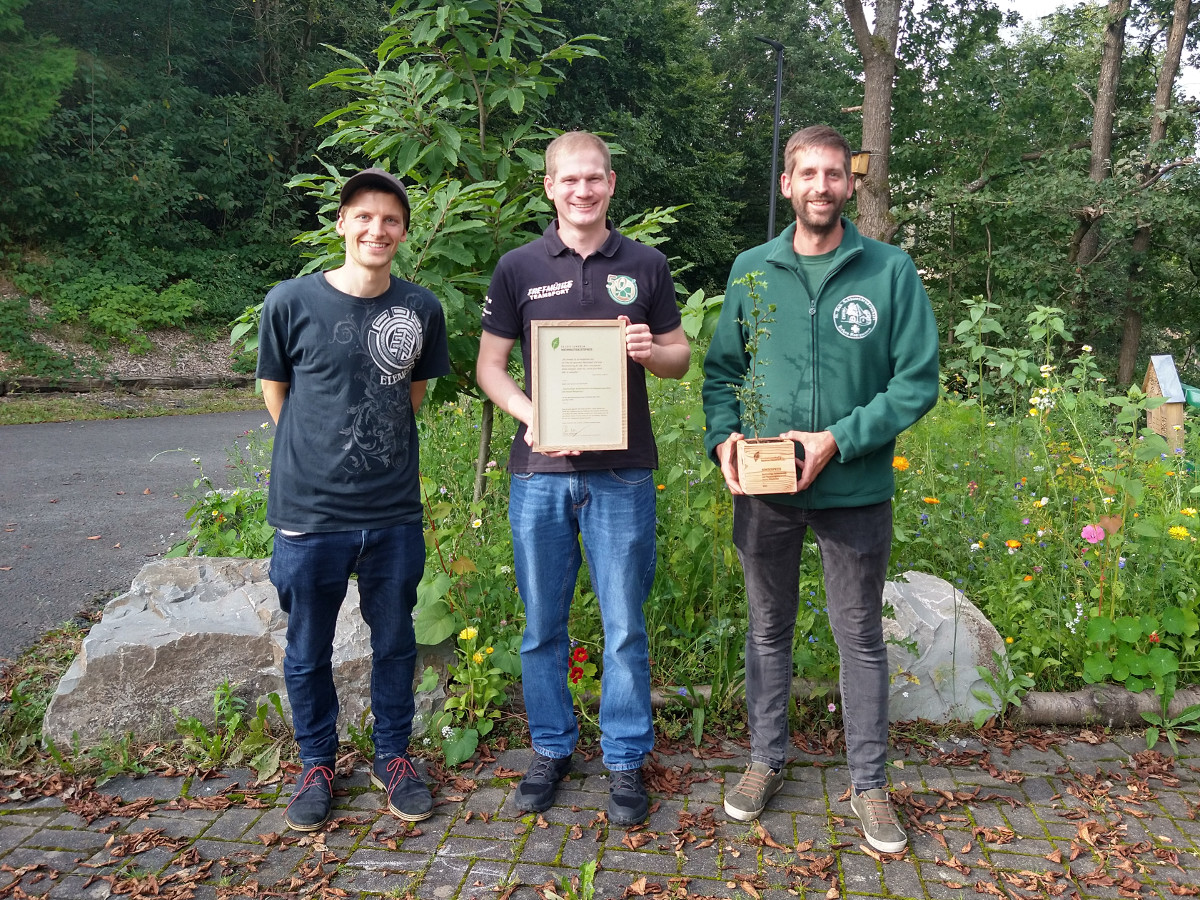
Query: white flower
(447, 732)
(1087, 348)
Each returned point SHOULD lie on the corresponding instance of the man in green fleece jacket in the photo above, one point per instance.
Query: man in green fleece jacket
(850, 361)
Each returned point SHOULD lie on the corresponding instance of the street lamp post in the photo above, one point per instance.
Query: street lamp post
(775, 131)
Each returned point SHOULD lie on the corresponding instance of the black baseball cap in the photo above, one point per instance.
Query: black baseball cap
(378, 180)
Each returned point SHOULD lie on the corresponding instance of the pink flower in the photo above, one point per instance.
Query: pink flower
(1093, 534)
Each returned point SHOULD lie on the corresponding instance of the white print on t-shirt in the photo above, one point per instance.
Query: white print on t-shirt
(855, 317)
(542, 291)
(394, 339)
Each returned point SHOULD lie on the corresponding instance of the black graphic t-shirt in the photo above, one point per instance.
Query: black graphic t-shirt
(345, 454)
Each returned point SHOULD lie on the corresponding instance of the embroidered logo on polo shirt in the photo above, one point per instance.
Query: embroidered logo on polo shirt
(855, 317)
(622, 288)
(542, 291)
(394, 341)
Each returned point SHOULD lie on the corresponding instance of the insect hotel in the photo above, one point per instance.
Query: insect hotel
(1163, 381)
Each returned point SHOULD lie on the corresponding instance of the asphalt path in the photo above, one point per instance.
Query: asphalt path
(84, 505)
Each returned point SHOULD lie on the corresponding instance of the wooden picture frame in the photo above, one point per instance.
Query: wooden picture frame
(578, 384)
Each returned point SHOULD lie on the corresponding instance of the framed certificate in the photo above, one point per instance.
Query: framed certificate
(578, 384)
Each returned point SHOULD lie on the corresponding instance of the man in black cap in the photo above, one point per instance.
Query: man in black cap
(344, 357)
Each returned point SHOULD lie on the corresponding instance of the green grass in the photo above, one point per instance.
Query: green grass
(31, 409)
(27, 686)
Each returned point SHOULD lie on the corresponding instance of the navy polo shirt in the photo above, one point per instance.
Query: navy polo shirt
(546, 279)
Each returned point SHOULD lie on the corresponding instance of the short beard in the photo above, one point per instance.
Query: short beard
(816, 228)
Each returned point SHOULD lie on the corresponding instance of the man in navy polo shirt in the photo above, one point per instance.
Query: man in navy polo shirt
(583, 268)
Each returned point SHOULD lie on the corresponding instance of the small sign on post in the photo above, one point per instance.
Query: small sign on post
(1163, 381)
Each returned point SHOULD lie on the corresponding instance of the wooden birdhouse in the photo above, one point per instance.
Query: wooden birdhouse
(1163, 381)
(860, 162)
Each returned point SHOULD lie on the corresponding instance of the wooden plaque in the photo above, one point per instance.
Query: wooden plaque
(766, 465)
(578, 384)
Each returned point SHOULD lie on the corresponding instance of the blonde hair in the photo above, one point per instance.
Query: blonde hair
(814, 136)
(570, 142)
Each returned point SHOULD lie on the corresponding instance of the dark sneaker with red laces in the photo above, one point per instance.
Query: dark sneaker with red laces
(408, 797)
(308, 810)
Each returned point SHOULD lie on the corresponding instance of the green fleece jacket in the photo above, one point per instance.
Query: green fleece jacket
(859, 359)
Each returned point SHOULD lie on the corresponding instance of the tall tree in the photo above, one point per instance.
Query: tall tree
(878, 50)
(1087, 236)
(1131, 330)
(654, 94)
(820, 86)
(34, 70)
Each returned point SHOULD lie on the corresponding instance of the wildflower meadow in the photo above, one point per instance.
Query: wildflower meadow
(1032, 487)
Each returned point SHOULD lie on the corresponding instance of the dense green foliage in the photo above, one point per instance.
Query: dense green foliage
(33, 72)
(194, 141)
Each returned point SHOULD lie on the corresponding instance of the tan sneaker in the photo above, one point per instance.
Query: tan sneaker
(759, 784)
(879, 825)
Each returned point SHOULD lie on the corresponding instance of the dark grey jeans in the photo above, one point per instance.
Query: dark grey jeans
(855, 543)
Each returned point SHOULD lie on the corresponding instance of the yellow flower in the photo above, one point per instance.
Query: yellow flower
(1189, 511)
(662, 487)
(899, 463)
(1008, 640)
(489, 650)
(468, 634)
(1178, 532)
(477, 658)
(933, 501)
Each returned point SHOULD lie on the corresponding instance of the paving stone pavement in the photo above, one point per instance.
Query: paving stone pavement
(1073, 819)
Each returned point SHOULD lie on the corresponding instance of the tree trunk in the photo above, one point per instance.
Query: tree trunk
(486, 423)
(1102, 123)
(1104, 704)
(1131, 327)
(1101, 704)
(878, 51)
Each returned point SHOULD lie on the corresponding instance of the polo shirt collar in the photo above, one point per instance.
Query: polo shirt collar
(556, 247)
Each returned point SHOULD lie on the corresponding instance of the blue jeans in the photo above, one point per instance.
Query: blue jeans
(855, 544)
(613, 510)
(311, 572)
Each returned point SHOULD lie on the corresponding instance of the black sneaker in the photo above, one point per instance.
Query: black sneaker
(407, 796)
(308, 810)
(627, 800)
(536, 791)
